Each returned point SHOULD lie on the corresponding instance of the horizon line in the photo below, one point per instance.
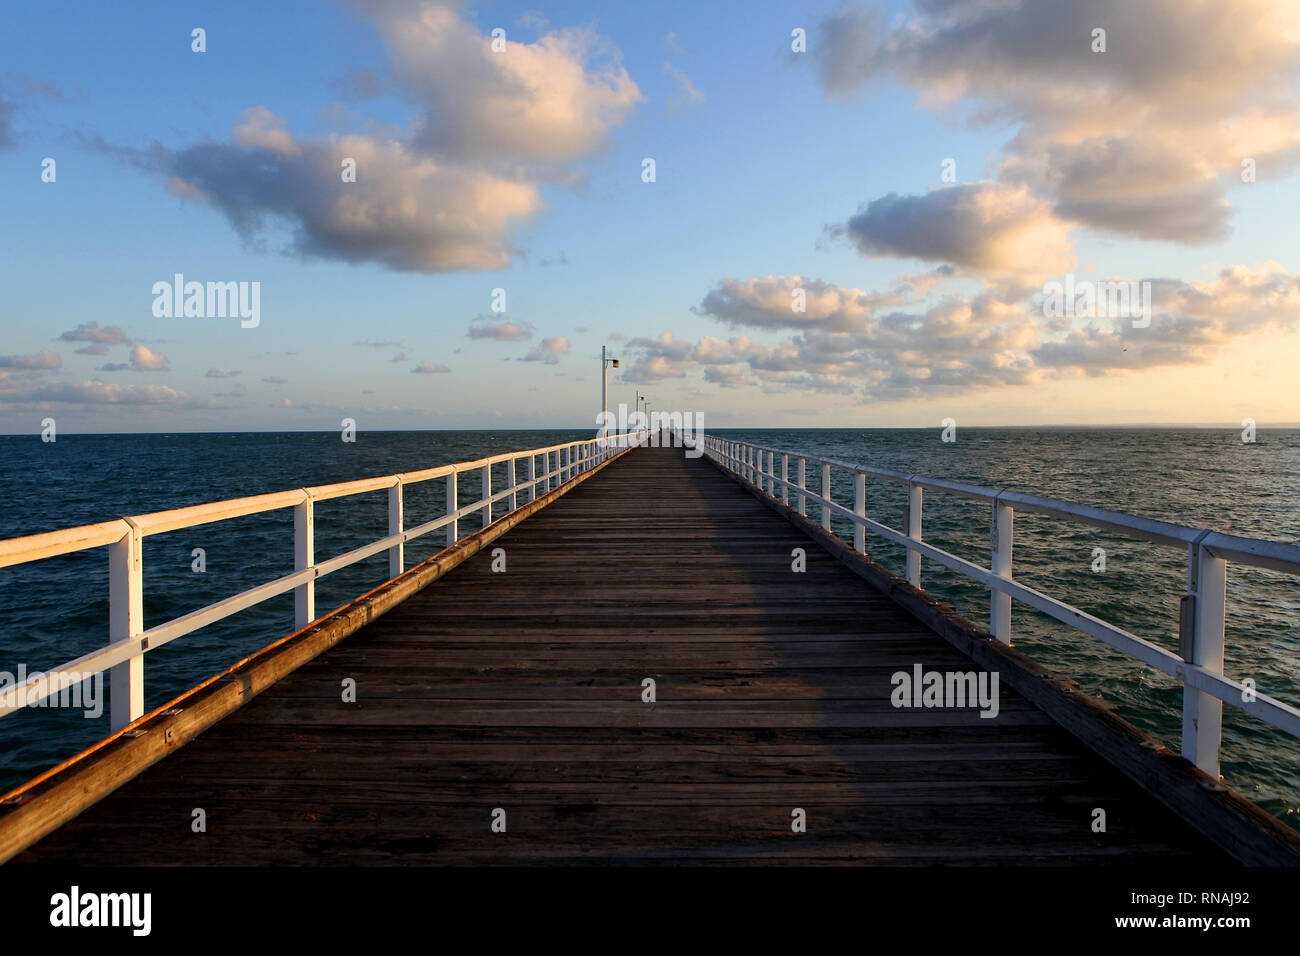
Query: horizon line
(1153, 426)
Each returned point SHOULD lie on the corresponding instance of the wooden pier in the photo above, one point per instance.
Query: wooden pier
(517, 696)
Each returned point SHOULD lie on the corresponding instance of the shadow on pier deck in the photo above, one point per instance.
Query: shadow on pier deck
(522, 691)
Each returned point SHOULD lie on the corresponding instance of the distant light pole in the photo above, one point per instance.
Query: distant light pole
(605, 362)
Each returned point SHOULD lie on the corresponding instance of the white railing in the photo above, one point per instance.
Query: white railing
(1202, 609)
(123, 656)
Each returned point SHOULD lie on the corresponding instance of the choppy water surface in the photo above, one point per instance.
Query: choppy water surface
(56, 609)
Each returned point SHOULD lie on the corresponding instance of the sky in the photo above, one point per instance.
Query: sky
(857, 215)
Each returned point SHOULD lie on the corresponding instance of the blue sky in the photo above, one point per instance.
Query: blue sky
(763, 156)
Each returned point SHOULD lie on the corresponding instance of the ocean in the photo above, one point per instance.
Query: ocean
(57, 609)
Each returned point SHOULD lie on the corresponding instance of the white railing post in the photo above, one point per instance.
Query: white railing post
(397, 553)
(912, 514)
(125, 622)
(771, 473)
(785, 476)
(859, 508)
(1203, 713)
(510, 482)
(304, 556)
(826, 493)
(532, 477)
(453, 527)
(803, 483)
(486, 510)
(1000, 544)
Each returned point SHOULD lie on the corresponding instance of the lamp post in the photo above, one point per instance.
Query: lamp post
(635, 424)
(605, 362)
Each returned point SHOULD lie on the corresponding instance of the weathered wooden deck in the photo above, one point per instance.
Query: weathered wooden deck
(522, 691)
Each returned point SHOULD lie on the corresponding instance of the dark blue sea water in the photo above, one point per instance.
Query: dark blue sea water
(57, 609)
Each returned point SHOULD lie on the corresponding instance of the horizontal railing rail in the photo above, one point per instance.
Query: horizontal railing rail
(1202, 612)
(123, 656)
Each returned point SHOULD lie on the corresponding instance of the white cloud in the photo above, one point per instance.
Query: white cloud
(407, 211)
(142, 360)
(769, 302)
(146, 360)
(44, 359)
(503, 330)
(94, 393)
(96, 333)
(1143, 139)
(1000, 233)
(548, 350)
(687, 93)
(960, 344)
(449, 193)
(551, 101)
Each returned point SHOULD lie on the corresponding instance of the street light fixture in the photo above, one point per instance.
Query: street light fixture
(605, 362)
